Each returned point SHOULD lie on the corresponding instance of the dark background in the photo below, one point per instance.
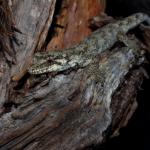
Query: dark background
(127, 7)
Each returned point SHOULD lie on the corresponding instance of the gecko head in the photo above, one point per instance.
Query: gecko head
(39, 68)
(39, 64)
(43, 63)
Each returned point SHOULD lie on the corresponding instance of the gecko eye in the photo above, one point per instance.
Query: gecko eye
(49, 60)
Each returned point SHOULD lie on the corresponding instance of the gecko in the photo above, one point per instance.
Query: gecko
(82, 54)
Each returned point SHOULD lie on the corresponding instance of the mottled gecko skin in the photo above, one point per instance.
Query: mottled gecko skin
(82, 54)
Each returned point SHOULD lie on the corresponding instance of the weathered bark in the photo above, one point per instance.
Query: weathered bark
(69, 110)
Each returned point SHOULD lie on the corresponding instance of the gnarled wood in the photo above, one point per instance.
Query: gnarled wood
(71, 109)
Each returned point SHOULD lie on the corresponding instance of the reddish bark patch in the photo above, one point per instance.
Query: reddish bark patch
(74, 18)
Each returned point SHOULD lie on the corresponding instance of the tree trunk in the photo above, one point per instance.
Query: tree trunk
(71, 109)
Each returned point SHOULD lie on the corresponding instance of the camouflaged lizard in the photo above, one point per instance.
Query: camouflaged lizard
(83, 53)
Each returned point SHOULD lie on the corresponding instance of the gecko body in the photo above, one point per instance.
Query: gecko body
(83, 53)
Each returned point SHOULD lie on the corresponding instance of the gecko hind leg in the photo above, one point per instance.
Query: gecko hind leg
(123, 38)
